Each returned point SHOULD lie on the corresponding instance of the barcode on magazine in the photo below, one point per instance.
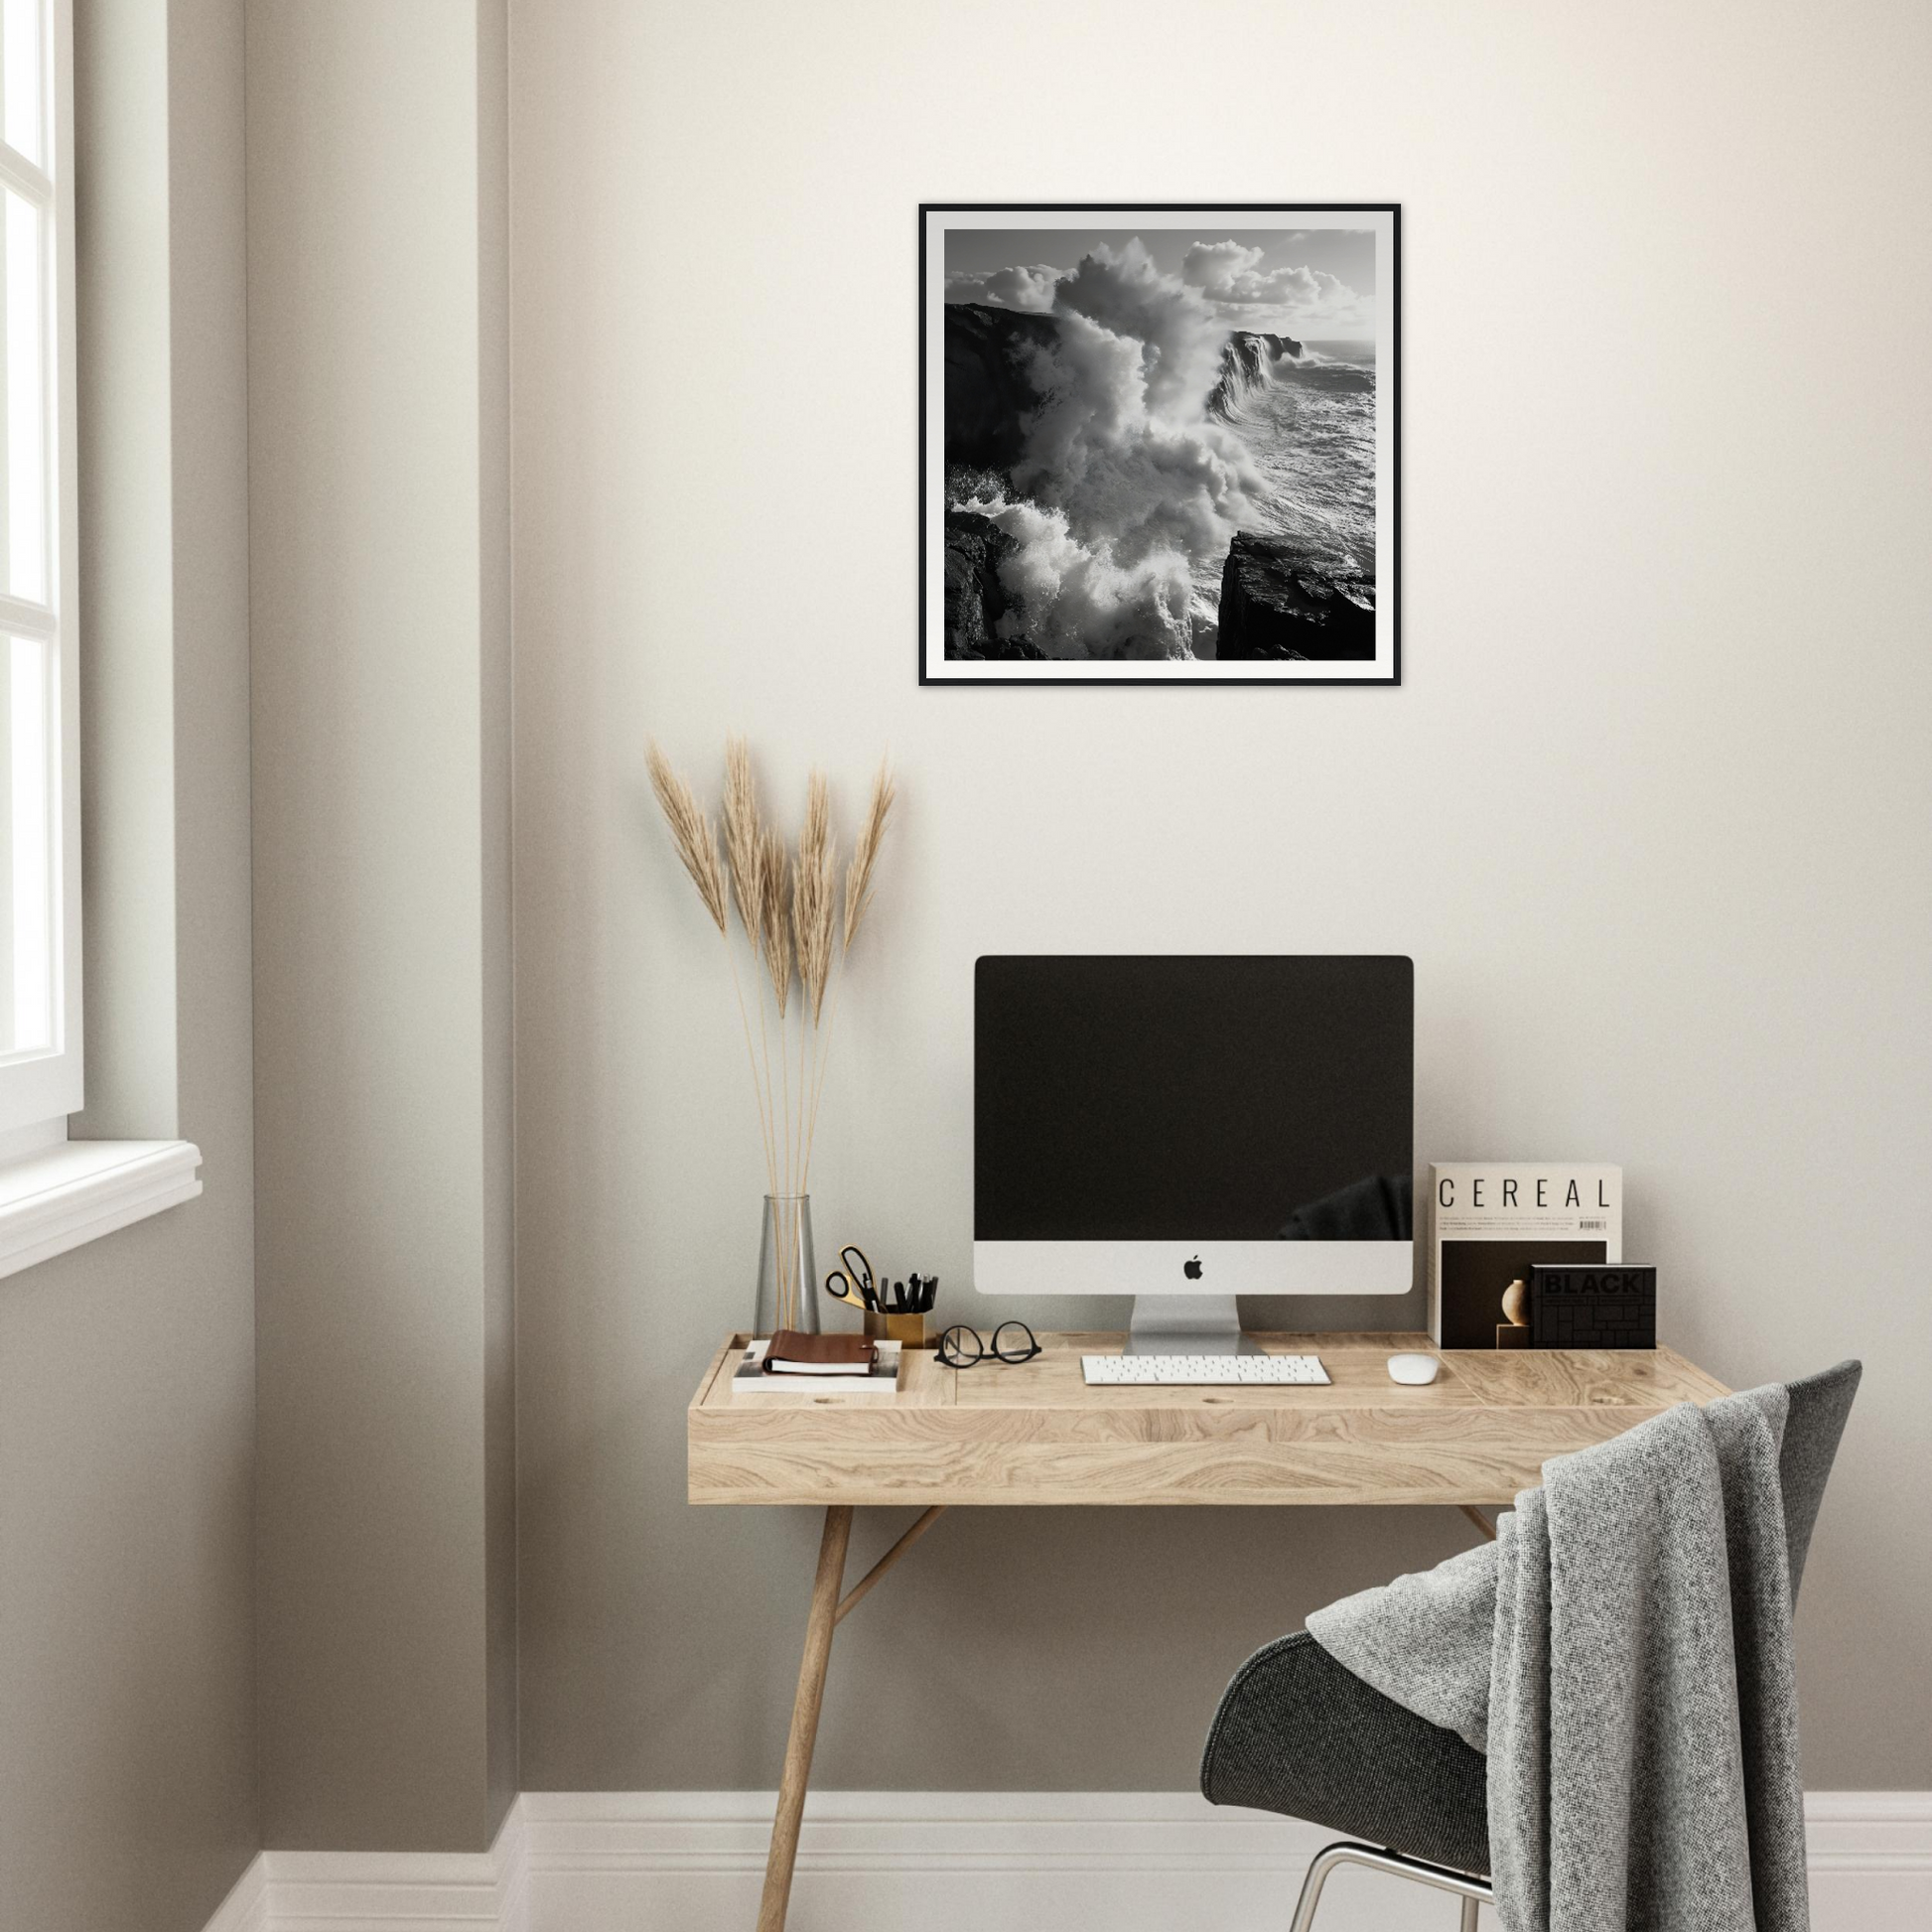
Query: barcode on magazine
(1598, 1225)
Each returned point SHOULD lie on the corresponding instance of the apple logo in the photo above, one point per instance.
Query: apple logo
(1191, 1269)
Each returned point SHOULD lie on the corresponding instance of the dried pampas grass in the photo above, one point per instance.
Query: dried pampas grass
(742, 845)
(691, 832)
(814, 896)
(774, 918)
(864, 852)
(787, 910)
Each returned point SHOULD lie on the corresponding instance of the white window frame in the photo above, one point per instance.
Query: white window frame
(38, 1089)
(55, 1193)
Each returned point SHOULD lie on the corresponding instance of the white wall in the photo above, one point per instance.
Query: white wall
(1650, 809)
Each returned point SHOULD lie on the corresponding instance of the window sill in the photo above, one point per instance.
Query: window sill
(79, 1191)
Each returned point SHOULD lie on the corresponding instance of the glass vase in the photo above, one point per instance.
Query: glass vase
(787, 1271)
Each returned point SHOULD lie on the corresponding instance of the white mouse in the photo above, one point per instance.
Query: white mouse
(1415, 1369)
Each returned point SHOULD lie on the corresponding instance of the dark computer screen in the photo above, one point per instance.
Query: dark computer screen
(1204, 1098)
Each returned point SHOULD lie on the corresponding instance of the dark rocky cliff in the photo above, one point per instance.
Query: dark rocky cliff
(1278, 602)
(976, 600)
(1246, 358)
(987, 388)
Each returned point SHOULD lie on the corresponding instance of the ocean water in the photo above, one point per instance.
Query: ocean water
(1310, 428)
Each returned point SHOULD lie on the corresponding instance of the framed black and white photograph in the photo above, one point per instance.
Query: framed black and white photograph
(1158, 445)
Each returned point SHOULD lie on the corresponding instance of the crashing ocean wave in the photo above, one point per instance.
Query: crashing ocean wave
(1248, 361)
(1125, 484)
(1079, 600)
(1252, 364)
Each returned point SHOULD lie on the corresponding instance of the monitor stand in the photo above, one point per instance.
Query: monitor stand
(1186, 1325)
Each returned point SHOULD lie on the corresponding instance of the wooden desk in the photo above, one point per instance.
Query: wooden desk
(1032, 1433)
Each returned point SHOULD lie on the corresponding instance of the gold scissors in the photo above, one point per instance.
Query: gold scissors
(853, 1281)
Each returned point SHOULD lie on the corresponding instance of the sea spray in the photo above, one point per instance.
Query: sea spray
(1127, 492)
(1078, 602)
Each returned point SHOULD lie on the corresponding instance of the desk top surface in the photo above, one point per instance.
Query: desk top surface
(1035, 1434)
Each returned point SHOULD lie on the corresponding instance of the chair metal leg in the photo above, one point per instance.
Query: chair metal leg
(1472, 1892)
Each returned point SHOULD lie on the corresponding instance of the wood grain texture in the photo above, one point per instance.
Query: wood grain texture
(1035, 1434)
(820, 1621)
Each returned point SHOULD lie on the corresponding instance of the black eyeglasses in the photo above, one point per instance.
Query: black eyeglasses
(1013, 1342)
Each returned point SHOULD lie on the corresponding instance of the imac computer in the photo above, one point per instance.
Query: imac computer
(1186, 1129)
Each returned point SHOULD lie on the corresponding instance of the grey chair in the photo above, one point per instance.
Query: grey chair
(1300, 1734)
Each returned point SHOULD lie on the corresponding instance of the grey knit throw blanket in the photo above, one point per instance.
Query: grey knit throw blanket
(1622, 1652)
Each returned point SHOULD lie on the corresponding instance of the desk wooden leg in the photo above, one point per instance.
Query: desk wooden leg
(804, 1719)
(1479, 1519)
(857, 1594)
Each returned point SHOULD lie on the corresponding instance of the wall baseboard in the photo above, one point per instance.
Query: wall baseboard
(245, 1910)
(952, 1862)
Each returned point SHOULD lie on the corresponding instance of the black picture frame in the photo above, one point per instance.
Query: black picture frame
(935, 669)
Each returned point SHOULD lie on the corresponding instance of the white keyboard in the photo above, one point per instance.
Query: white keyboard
(1201, 1371)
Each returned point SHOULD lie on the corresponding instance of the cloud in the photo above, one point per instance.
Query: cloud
(1216, 267)
(1230, 276)
(1031, 289)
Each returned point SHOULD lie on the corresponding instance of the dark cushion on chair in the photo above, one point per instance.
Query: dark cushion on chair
(1298, 1733)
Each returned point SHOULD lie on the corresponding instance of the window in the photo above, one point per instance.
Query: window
(54, 1194)
(40, 792)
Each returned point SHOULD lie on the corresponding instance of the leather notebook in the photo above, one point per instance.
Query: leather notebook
(793, 1353)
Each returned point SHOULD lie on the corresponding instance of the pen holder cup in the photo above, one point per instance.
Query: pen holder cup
(906, 1328)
